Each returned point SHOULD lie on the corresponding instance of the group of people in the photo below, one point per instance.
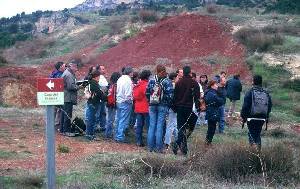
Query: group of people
(169, 105)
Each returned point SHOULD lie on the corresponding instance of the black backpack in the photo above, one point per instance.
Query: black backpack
(78, 125)
(260, 103)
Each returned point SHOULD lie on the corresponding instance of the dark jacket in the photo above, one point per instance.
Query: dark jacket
(222, 93)
(234, 89)
(167, 88)
(213, 102)
(70, 87)
(246, 109)
(186, 93)
(97, 94)
(56, 74)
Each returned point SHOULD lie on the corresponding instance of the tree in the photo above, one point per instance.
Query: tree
(13, 28)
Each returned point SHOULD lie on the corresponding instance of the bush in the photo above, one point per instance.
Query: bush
(296, 110)
(211, 9)
(116, 24)
(255, 39)
(292, 84)
(237, 163)
(148, 16)
(63, 148)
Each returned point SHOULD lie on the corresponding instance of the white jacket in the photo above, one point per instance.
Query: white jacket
(124, 89)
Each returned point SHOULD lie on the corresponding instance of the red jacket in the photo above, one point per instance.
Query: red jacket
(141, 104)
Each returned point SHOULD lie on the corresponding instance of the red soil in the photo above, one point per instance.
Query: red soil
(176, 38)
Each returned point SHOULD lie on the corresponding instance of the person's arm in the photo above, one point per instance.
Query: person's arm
(70, 84)
(269, 106)
(246, 108)
(169, 91)
(197, 97)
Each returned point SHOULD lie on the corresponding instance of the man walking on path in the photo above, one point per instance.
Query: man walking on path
(255, 111)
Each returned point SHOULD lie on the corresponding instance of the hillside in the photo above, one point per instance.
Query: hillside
(200, 41)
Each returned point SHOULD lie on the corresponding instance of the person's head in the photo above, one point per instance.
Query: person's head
(213, 84)
(179, 73)
(145, 74)
(237, 76)
(222, 74)
(161, 71)
(203, 79)
(194, 76)
(95, 74)
(102, 70)
(222, 81)
(172, 76)
(257, 80)
(60, 66)
(186, 70)
(114, 77)
(73, 65)
(135, 76)
(128, 71)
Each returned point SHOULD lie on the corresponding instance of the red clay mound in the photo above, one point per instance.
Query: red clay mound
(178, 40)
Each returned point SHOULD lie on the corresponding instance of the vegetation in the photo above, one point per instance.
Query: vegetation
(63, 148)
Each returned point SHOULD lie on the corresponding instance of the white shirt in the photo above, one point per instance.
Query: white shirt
(102, 81)
(124, 89)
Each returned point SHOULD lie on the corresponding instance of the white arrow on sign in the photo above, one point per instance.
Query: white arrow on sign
(50, 85)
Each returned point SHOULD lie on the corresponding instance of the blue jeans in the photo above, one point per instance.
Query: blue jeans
(157, 116)
(123, 119)
(222, 119)
(90, 119)
(111, 114)
(171, 127)
(101, 115)
(142, 119)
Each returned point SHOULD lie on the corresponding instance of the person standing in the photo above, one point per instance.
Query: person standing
(186, 93)
(159, 93)
(111, 104)
(124, 103)
(171, 128)
(213, 103)
(256, 110)
(70, 98)
(93, 95)
(57, 73)
(101, 112)
(141, 106)
(234, 89)
(222, 94)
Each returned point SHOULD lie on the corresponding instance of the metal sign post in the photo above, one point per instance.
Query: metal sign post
(50, 93)
(50, 135)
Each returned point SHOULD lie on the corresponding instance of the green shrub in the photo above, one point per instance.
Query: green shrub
(63, 148)
(292, 84)
(148, 16)
(296, 110)
(211, 9)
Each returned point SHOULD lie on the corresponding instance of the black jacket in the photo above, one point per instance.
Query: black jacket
(213, 102)
(186, 93)
(234, 88)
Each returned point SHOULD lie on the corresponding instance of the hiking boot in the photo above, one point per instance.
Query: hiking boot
(175, 148)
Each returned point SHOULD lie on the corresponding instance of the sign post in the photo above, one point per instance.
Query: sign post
(50, 93)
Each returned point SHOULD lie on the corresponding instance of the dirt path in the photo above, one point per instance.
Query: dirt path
(24, 140)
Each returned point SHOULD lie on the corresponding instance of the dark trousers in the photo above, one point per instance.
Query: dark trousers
(66, 116)
(183, 114)
(211, 129)
(255, 127)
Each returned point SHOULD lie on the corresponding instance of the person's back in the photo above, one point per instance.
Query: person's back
(256, 110)
(234, 89)
(124, 89)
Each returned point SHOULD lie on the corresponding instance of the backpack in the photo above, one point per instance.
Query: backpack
(78, 125)
(157, 92)
(260, 102)
(111, 97)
